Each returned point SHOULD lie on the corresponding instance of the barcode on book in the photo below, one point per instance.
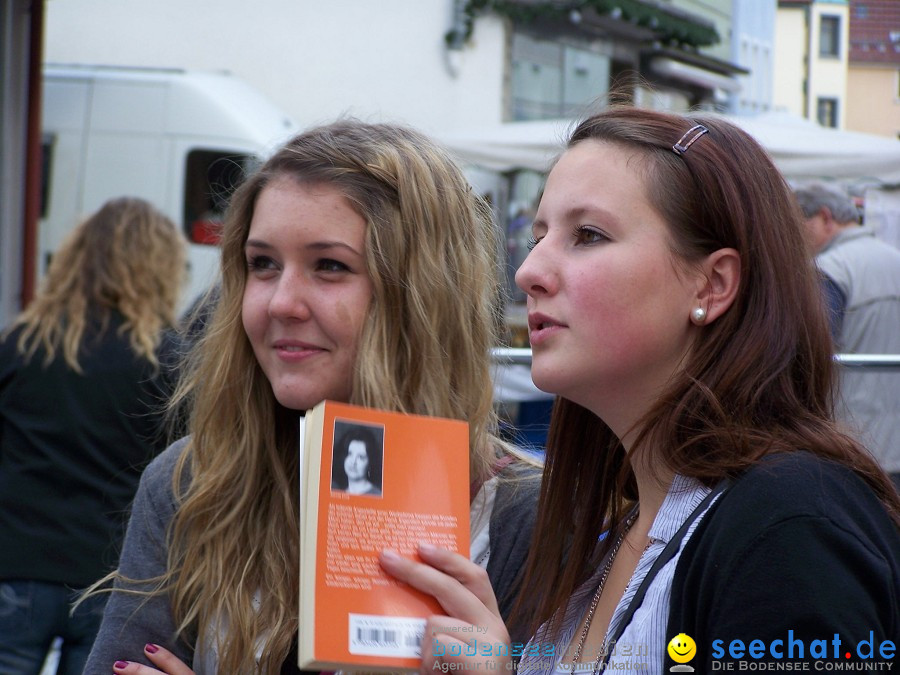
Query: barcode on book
(372, 635)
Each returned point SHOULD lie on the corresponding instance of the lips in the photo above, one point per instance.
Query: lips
(541, 327)
(296, 350)
(538, 321)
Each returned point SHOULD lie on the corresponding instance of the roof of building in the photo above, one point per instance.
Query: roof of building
(875, 31)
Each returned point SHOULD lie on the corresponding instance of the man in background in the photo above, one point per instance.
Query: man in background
(862, 288)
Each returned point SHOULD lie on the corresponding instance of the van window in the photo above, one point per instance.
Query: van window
(210, 178)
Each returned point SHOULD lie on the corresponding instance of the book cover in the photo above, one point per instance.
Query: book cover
(371, 480)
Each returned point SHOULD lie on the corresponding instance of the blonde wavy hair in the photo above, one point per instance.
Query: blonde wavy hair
(432, 256)
(126, 258)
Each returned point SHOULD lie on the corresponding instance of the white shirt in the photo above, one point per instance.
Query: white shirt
(641, 647)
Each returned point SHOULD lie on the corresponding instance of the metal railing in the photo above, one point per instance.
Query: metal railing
(508, 355)
(869, 361)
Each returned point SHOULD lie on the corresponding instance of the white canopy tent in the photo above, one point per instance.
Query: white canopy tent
(804, 150)
(801, 149)
(511, 146)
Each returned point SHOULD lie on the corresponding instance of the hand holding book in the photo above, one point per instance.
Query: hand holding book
(414, 476)
(472, 634)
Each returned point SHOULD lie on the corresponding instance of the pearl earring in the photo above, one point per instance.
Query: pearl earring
(698, 316)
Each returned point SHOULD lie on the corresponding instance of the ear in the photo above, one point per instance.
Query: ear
(720, 282)
(830, 226)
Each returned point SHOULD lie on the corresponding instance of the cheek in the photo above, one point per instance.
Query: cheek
(342, 315)
(349, 316)
(633, 312)
(608, 300)
(253, 315)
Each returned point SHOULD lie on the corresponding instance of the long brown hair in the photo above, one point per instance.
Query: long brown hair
(128, 258)
(759, 380)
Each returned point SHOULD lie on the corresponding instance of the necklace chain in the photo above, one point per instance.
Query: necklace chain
(596, 599)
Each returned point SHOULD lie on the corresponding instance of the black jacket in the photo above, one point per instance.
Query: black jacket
(799, 549)
(72, 448)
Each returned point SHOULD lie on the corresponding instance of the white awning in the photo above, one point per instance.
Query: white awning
(802, 149)
(682, 71)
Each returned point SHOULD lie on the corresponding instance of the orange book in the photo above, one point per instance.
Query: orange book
(371, 480)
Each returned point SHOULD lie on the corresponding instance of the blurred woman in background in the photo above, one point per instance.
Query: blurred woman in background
(85, 372)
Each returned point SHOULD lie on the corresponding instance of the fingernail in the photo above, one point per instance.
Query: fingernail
(151, 648)
(389, 555)
(120, 664)
(425, 547)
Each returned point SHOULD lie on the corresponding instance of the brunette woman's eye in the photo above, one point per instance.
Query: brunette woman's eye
(585, 235)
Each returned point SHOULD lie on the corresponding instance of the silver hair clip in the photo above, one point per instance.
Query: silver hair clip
(681, 147)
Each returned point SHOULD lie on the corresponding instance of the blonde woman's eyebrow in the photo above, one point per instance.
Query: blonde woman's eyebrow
(330, 244)
(257, 243)
(314, 246)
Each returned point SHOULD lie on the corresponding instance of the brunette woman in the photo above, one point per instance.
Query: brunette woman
(696, 486)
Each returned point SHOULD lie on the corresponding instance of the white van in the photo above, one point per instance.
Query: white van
(180, 139)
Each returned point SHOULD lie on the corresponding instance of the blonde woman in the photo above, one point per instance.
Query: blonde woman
(357, 265)
(83, 378)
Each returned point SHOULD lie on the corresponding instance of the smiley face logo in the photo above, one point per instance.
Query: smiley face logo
(682, 648)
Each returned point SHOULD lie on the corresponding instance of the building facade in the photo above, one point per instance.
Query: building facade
(440, 65)
(812, 53)
(873, 78)
(753, 48)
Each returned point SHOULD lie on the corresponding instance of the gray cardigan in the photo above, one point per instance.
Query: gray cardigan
(131, 621)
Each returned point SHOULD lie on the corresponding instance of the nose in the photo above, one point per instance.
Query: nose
(290, 297)
(535, 275)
